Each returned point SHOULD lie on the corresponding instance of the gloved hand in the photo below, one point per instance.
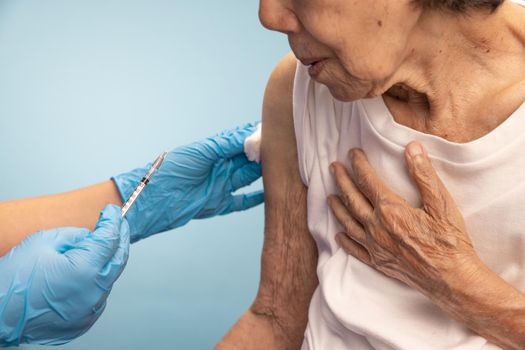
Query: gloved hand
(194, 182)
(54, 284)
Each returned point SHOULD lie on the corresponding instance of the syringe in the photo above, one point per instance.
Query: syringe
(142, 184)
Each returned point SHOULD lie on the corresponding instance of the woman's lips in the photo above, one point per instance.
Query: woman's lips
(315, 68)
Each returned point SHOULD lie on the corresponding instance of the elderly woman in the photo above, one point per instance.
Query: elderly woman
(414, 268)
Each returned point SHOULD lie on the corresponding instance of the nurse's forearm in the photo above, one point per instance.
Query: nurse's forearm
(79, 208)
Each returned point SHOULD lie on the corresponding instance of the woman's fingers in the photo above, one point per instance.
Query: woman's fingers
(434, 195)
(353, 248)
(353, 228)
(356, 203)
(367, 180)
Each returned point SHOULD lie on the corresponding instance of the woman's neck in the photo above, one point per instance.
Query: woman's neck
(463, 74)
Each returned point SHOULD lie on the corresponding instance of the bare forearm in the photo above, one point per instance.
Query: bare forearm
(79, 208)
(288, 278)
(278, 317)
(488, 305)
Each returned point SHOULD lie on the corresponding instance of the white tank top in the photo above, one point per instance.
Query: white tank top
(358, 308)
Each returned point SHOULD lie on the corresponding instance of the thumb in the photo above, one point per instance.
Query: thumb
(246, 201)
(100, 246)
(114, 267)
(434, 194)
(246, 175)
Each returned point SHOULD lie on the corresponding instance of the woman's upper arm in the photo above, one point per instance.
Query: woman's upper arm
(289, 260)
(278, 316)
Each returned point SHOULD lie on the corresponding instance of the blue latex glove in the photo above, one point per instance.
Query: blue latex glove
(194, 182)
(54, 285)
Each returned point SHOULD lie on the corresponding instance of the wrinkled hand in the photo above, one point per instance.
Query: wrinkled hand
(195, 181)
(54, 284)
(418, 246)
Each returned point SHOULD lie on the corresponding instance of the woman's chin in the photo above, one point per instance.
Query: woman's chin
(346, 94)
(344, 89)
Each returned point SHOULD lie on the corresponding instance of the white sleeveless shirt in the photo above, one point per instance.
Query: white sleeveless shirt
(358, 308)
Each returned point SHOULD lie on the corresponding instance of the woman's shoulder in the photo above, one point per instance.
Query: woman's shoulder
(279, 89)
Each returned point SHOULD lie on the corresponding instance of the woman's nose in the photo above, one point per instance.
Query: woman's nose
(278, 15)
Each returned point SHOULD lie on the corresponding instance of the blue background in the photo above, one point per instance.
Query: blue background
(77, 80)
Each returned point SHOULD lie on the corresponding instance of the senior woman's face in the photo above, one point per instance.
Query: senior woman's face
(354, 45)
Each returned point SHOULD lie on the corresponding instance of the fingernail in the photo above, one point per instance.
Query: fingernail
(332, 168)
(414, 149)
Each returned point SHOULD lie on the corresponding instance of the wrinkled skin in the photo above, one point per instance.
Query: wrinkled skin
(427, 248)
(345, 33)
(438, 73)
(418, 246)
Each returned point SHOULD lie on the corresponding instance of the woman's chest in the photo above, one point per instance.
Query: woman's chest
(490, 193)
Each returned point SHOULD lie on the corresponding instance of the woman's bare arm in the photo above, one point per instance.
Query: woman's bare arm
(80, 208)
(278, 317)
